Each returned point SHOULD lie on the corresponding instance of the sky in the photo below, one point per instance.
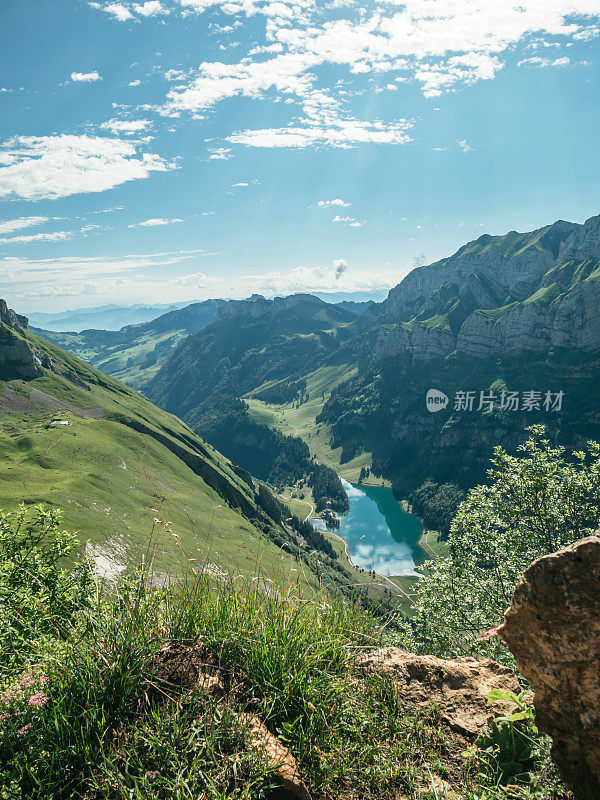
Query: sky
(175, 150)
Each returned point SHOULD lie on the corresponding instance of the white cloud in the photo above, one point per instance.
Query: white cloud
(312, 279)
(155, 222)
(442, 45)
(336, 202)
(587, 33)
(462, 143)
(37, 237)
(219, 153)
(77, 276)
(11, 225)
(240, 185)
(134, 83)
(150, 9)
(340, 133)
(137, 278)
(279, 9)
(117, 10)
(538, 61)
(91, 265)
(174, 75)
(48, 167)
(126, 126)
(350, 221)
(86, 77)
(89, 228)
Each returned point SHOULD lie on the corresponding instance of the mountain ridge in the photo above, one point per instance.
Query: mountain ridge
(499, 295)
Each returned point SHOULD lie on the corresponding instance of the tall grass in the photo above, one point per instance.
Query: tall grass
(99, 718)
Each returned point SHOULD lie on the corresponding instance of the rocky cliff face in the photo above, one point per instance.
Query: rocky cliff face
(17, 358)
(11, 318)
(497, 296)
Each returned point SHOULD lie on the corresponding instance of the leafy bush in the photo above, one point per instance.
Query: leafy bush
(510, 747)
(536, 503)
(39, 596)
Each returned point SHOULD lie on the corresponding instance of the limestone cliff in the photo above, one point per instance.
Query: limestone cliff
(17, 358)
(498, 296)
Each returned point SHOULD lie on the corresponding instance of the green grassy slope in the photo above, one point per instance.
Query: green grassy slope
(121, 464)
(299, 419)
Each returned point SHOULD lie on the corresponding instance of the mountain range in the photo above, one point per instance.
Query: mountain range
(507, 330)
(518, 313)
(109, 317)
(136, 352)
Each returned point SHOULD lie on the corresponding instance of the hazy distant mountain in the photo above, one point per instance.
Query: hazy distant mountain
(134, 353)
(352, 297)
(109, 318)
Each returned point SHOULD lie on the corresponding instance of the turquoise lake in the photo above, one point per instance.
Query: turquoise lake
(379, 533)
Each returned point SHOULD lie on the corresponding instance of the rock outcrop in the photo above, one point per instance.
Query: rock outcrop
(17, 358)
(11, 318)
(459, 687)
(553, 629)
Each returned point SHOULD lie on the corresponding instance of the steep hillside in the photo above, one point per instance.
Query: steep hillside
(135, 353)
(254, 343)
(130, 478)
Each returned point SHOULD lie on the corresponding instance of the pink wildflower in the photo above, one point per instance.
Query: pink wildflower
(38, 700)
(25, 729)
(3, 717)
(6, 698)
(27, 682)
(488, 634)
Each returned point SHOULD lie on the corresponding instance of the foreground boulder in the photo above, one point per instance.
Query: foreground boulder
(553, 629)
(459, 687)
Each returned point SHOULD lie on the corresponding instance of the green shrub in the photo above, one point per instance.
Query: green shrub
(535, 503)
(40, 596)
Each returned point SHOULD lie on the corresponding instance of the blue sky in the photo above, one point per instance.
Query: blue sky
(175, 150)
